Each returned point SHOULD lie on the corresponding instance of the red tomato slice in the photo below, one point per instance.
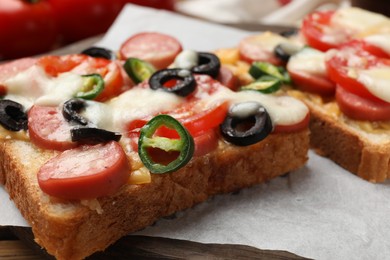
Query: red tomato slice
(253, 48)
(55, 65)
(10, 69)
(359, 108)
(364, 46)
(157, 48)
(83, 64)
(347, 58)
(205, 86)
(48, 129)
(113, 81)
(293, 128)
(85, 172)
(319, 32)
(197, 120)
(312, 83)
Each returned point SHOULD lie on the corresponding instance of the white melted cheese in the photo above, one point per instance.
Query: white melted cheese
(308, 60)
(356, 20)
(186, 59)
(283, 110)
(139, 103)
(377, 81)
(381, 41)
(34, 86)
(270, 40)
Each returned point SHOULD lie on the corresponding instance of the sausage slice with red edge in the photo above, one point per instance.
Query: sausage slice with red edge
(85, 172)
(156, 48)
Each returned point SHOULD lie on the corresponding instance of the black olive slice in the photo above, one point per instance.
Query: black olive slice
(185, 84)
(12, 115)
(208, 64)
(71, 110)
(246, 123)
(289, 33)
(92, 135)
(99, 52)
(285, 50)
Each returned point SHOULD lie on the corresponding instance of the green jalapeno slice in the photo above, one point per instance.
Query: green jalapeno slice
(148, 140)
(138, 70)
(93, 85)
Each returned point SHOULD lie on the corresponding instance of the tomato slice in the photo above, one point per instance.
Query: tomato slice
(85, 172)
(362, 46)
(312, 83)
(83, 64)
(293, 128)
(54, 65)
(48, 129)
(360, 108)
(200, 122)
(320, 34)
(197, 119)
(341, 63)
(156, 48)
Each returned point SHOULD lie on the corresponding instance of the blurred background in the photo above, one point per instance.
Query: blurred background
(30, 27)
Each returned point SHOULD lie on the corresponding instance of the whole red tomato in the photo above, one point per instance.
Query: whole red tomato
(160, 4)
(26, 28)
(79, 19)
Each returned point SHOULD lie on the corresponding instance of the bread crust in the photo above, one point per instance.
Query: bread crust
(73, 231)
(348, 146)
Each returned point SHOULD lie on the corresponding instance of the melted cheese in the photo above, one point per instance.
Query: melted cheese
(34, 86)
(356, 20)
(283, 110)
(140, 103)
(381, 41)
(308, 60)
(187, 59)
(377, 81)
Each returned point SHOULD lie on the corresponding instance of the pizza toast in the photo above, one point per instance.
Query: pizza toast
(337, 62)
(87, 170)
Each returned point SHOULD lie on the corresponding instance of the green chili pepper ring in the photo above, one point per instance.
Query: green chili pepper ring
(184, 145)
(92, 87)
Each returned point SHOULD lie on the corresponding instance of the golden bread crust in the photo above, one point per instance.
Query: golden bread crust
(69, 230)
(349, 147)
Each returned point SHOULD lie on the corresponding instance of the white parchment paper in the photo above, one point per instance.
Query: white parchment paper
(320, 211)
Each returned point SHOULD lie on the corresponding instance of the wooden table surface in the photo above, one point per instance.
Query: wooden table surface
(17, 243)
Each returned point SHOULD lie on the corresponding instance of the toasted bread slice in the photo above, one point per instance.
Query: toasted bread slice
(72, 230)
(360, 147)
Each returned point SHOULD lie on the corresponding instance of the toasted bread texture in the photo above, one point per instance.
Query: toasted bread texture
(360, 147)
(71, 230)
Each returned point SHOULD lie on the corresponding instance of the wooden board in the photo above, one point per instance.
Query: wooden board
(18, 243)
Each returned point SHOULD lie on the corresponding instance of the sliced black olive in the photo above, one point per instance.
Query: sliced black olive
(12, 115)
(208, 64)
(289, 33)
(92, 135)
(285, 50)
(71, 110)
(185, 84)
(246, 123)
(99, 52)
